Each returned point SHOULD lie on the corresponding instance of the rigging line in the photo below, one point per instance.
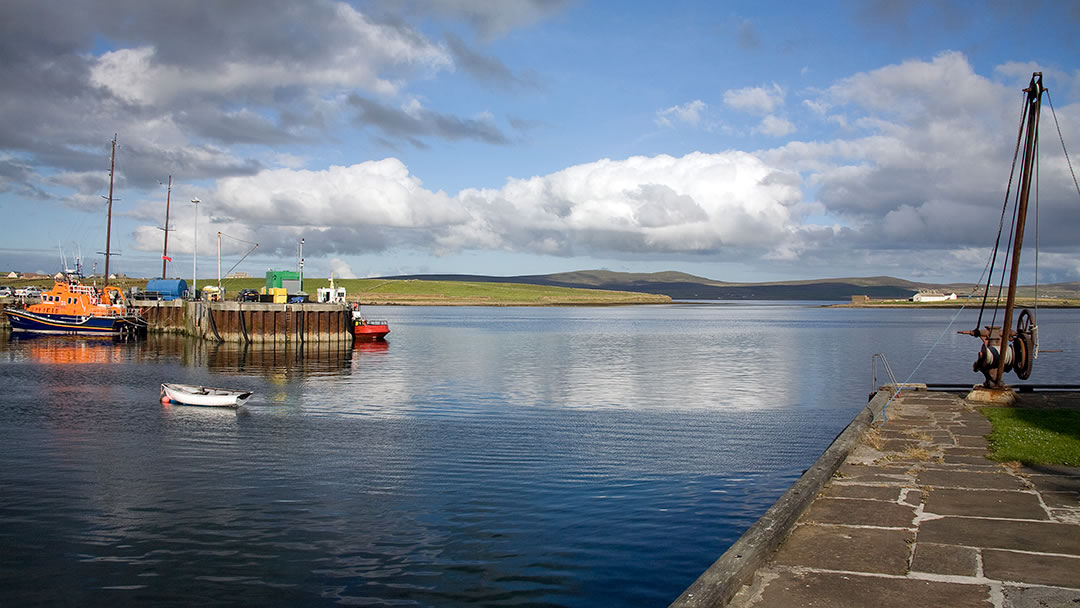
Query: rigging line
(1004, 207)
(254, 245)
(927, 355)
(1005, 264)
(1062, 142)
(241, 240)
(1037, 157)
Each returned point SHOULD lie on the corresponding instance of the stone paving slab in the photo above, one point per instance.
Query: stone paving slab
(874, 474)
(1054, 479)
(1046, 537)
(850, 490)
(848, 548)
(1061, 499)
(978, 461)
(986, 503)
(860, 512)
(945, 559)
(969, 479)
(791, 589)
(1039, 597)
(971, 441)
(1055, 570)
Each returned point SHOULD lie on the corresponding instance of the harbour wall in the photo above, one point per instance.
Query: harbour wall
(250, 322)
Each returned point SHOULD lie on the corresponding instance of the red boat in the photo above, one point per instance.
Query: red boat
(365, 330)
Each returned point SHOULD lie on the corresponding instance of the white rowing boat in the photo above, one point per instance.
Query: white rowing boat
(189, 394)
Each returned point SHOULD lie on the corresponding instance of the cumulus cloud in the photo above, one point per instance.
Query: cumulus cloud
(917, 172)
(412, 120)
(756, 100)
(340, 269)
(689, 113)
(775, 126)
(353, 52)
(691, 204)
(927, 165)
(197, 82)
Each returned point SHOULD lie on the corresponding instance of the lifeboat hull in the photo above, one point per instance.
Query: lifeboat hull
(23, 320)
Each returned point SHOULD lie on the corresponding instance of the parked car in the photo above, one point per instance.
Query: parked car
(5, 292)
(247, 295)
(32, 292)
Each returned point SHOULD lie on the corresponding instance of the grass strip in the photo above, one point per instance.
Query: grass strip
(1034, 436)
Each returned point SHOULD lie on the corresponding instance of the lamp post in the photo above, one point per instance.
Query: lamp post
(195, 254)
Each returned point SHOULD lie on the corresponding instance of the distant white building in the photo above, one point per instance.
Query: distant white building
(13, 275)
(932, 296)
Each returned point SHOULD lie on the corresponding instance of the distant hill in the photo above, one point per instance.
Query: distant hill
(684, 286)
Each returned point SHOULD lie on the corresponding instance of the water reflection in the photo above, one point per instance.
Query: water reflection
(572, 457)
(60, 350)
(280, 360)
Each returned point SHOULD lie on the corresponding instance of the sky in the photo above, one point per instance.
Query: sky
(738, 141)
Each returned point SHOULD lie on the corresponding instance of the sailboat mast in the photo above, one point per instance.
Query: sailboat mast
(165, 249)
(1034, 102)
(108, 223)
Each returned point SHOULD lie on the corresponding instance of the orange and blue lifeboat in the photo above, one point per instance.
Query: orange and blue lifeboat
(73, 308)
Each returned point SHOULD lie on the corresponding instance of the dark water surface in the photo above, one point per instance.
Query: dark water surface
(483, 456)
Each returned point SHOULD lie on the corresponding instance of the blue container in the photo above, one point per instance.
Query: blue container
(168, 289)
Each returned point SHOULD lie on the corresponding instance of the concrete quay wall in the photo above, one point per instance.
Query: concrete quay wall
(253, 322)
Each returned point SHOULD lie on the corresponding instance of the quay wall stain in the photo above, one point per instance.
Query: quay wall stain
(253, 322)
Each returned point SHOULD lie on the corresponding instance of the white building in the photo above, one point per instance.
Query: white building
(932, 296)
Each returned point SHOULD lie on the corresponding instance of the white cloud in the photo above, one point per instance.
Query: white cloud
(139, 75)
(775, 126)
(755, 100)
(926, 167)
(374, 193)
(817, 107)
(340, 269)
(689, 113)
(695, 203)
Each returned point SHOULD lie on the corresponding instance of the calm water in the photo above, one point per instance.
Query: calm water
(492, 457)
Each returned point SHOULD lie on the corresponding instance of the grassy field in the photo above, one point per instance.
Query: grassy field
(1035, 436)
(423, 293)
(459, 293)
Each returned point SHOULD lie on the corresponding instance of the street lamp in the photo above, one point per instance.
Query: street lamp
(195, 254)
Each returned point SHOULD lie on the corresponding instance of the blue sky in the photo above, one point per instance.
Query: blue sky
(739, 141)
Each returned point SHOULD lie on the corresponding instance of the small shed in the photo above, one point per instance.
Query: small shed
(283, 278)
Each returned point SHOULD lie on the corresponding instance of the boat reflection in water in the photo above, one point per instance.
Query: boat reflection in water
(308, 359)
(271, 360)
(54, 350)
(371, 347)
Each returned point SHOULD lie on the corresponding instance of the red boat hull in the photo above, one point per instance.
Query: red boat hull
(369, 332)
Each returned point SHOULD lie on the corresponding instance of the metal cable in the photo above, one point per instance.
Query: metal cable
(1004, 207)
(1062, 142)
